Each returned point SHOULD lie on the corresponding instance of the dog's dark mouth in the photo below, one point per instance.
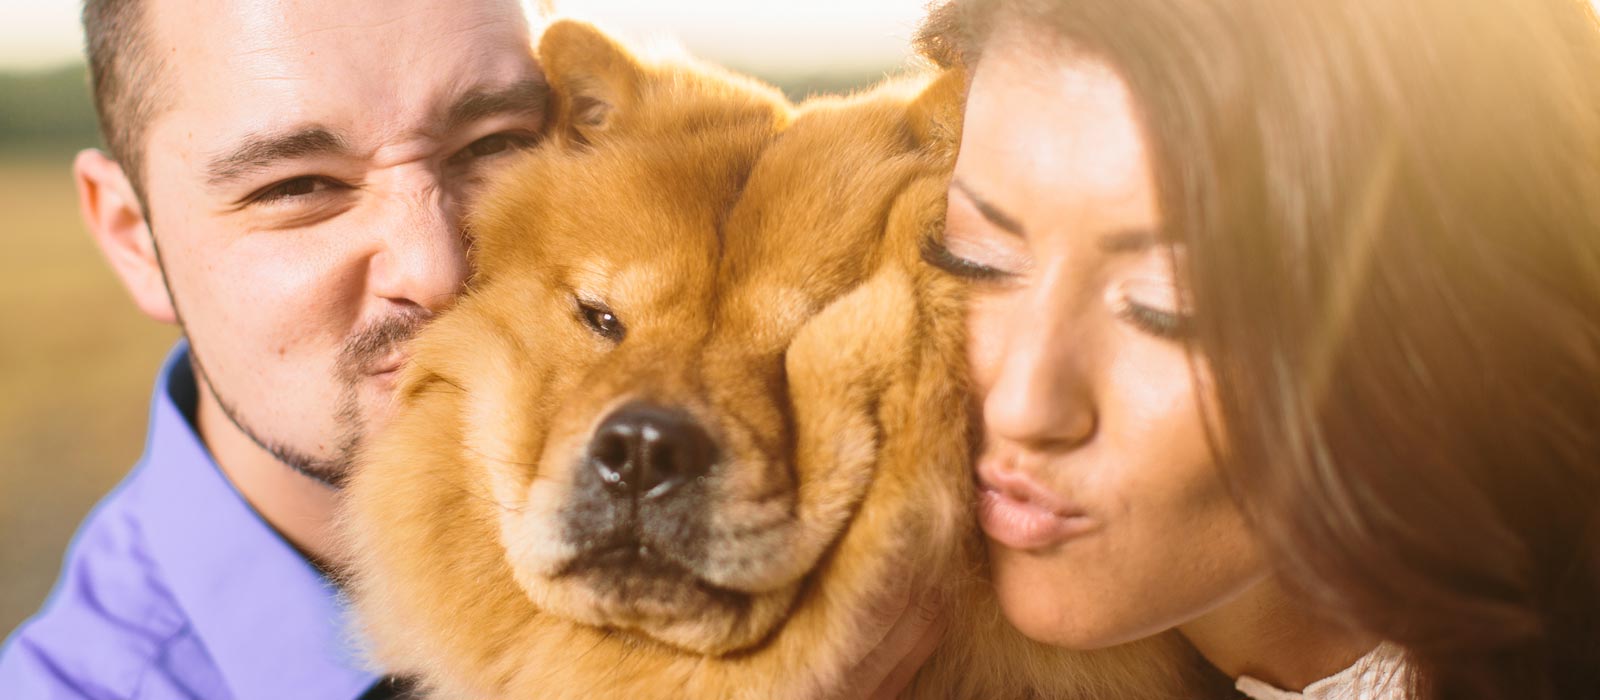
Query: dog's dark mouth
(632, 574)
(624, 556)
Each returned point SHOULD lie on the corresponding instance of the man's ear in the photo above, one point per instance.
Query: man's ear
(118, 224)
(593, 79)
(935, 115)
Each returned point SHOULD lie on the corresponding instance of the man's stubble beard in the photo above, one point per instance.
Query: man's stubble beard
(361, 350)
(332, 470)
(371, 344)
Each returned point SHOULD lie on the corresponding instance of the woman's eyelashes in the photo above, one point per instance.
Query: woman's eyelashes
(936, 254)
(1152, 306)
(1167, 325)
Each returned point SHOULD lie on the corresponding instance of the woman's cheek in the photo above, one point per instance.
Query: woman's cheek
(988, 335)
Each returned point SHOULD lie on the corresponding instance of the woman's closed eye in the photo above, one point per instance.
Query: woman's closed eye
(974, 257)
(1152, 307)
(935, 253)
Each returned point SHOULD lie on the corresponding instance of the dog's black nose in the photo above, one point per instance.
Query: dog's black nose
(647, 450)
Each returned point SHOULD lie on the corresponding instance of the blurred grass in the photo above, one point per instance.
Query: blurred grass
(76, 366)
(77, 360)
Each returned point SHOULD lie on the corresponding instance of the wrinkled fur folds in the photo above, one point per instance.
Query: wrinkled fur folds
(765, 259)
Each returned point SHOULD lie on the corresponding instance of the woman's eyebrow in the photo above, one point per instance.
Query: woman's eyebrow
(989, 211)
(1134, 240)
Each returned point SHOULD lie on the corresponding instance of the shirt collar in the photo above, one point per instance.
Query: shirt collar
(271, 622)
(1379, 675)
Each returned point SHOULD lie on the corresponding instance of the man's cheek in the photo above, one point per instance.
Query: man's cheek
(298, 309)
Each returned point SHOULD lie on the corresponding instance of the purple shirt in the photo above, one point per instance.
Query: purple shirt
(175, 588)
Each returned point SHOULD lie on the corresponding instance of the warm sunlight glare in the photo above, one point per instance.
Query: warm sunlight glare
(761, 35)
(816, 35)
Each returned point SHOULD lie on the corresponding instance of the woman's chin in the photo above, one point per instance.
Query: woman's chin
(1038, 600)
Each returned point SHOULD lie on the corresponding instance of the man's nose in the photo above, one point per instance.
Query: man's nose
(422, 259)
(1042, 395)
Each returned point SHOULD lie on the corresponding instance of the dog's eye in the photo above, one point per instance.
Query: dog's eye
(601, 321)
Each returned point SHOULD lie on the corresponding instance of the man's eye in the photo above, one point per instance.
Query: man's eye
(493, 145)
(291, 189)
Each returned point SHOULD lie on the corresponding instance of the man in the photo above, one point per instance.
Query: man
(285, 180)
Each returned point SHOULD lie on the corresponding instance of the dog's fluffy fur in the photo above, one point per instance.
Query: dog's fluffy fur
(762, 263)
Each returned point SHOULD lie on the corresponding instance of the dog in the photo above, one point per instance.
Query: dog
(699, 410)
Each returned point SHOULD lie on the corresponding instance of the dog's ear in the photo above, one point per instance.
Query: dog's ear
(935, 115)
(593, 79)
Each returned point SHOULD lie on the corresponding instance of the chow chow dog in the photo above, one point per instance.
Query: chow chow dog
(699, 411)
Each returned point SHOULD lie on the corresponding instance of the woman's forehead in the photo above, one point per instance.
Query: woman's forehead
(1055, 142)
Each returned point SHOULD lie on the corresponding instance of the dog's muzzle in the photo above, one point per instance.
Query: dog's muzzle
(640, 496)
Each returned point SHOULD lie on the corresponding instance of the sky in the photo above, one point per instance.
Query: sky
(772, 36)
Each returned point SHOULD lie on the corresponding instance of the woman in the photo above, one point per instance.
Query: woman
(1286, 330)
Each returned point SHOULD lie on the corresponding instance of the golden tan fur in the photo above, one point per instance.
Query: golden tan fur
(764, 261)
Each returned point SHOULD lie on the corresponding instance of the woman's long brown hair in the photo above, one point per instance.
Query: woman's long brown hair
(1390, 217)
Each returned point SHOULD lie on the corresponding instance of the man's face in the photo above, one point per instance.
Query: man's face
(305, 191)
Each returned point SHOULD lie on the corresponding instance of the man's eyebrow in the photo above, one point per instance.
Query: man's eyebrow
(258, 151)
(522, 97)
(989, 211)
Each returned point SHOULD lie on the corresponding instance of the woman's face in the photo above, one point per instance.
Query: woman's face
(1105, 515)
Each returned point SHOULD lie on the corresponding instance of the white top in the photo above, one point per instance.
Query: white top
(1380, 675)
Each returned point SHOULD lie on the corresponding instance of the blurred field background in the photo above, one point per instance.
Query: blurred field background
(77, 360)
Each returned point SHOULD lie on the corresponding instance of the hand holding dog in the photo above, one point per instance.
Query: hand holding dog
(909, 626)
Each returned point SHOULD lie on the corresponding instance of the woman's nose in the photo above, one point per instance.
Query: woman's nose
(1040, 392)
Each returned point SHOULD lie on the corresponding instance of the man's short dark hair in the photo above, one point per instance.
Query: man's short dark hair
(125, 75)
